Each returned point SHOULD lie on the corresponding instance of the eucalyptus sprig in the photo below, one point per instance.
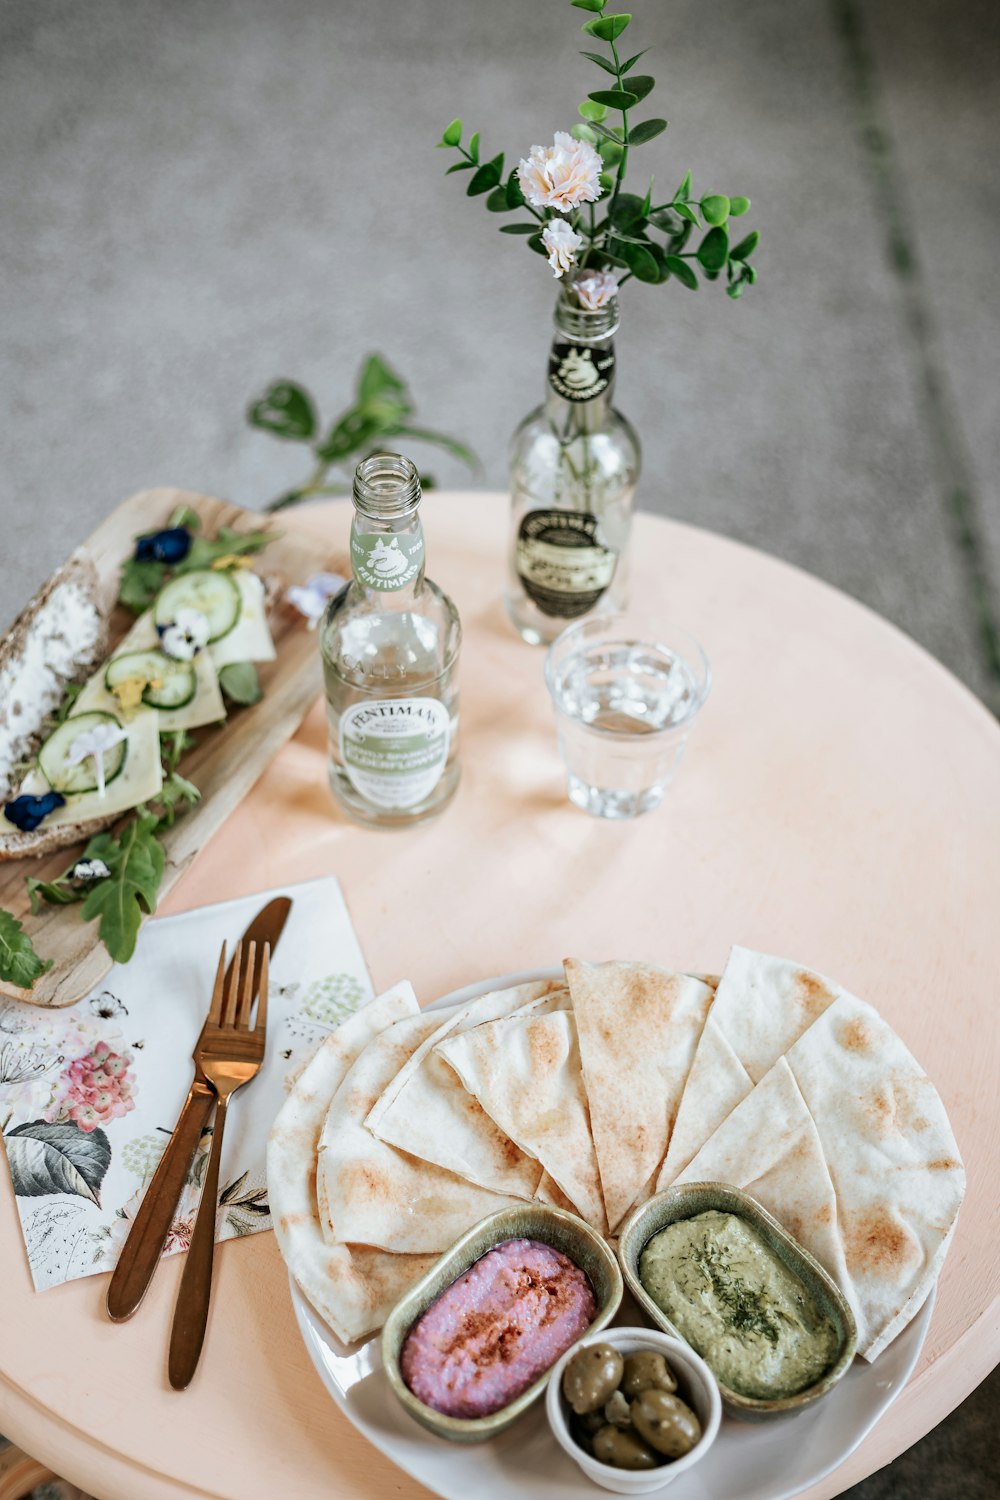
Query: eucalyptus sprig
(382, 412)
(601, 227)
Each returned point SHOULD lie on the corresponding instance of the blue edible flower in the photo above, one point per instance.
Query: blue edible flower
(27, 812)
(169, 546)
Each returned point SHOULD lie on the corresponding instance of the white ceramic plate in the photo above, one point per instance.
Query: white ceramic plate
(773, 1461)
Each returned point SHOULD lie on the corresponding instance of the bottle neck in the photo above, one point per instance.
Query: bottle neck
(387, 556)
(581, 373)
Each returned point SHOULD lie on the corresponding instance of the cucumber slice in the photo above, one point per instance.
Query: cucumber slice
(54, 756)
(213, 593)
(168, 683)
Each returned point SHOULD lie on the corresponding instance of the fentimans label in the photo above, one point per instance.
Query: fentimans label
(386, 562)
(579, 373)
(562, 564)
(395, 749)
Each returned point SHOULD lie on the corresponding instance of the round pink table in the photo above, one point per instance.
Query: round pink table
(840, 804)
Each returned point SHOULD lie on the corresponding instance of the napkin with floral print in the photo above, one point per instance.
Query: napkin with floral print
(90, 1094)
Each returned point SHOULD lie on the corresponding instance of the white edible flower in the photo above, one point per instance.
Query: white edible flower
(562, 175)
(186, 635)
(310, 598)
(96, 742)
(562, 242)
(87, 870)
(595, 288)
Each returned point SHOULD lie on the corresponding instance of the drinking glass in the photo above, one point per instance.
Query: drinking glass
(626, 689)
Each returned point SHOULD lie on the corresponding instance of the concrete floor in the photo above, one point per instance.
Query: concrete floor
(197, 198)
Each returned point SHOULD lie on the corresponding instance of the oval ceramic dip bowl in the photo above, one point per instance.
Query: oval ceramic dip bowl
(743, 1307)
(696, 1386)
(551, 1249)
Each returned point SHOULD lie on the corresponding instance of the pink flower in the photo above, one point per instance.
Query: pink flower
(562, 175)
(595, 288)
(562, 242)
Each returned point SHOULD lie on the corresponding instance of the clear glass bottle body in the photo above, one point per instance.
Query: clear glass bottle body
(574, 464)
(390, 645)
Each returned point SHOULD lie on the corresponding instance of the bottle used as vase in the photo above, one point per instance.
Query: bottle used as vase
(574, 464)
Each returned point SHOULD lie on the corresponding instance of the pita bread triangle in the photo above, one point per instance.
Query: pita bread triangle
(639, 1028)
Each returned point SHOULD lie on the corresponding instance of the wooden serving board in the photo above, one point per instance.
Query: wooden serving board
(226, 760)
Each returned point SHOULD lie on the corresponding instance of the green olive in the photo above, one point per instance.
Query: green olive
(590, 1377)
(623, 1450)
(646, 1370)
(666, 1422)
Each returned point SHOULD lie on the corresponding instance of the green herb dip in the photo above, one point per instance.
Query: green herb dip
(738, 1305)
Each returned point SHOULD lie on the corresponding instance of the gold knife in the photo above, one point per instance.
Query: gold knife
(141, 1251)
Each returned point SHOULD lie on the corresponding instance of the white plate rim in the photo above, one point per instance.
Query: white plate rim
(365, 1358)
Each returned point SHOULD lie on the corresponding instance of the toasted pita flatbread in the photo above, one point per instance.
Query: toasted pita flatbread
(769, 1147)
(893, 1160)
(762, 1005)
(639, 1027)
(427, 1111)
(373, 1194)
(525, 1071)
(351, 1287)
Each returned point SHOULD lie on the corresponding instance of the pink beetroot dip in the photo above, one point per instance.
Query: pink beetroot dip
(496, 1329)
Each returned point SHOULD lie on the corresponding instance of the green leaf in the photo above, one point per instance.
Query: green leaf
(735, 291)
(614, 98)
(641, 262)
(173, 743)
(529, 228)
(497, 201)
(176, 793)
(746, 248)
(52, 892)
(611, 152)
(19, 963)
(595, 5)
(442, 440)
(57, 1158)
(646, 130)
(608, 28)
(452, 134)
(585, 132)
(602, 62)
(667, 219)
(537, 244)
(687, 212)
(641, 85)
(628, 66)
(605, 181)
(183, 515)
(738, 207)
(715, 208)
(474, 147)
(286, 410)
(139, 583)
(240, 683)
(682, 271)
(135, 859)
(684, 191)
(626, 210)
(486, 177)
(714, 249)
(377, 378)
(226, 543)
(461, 166)
(609, 133)
(590, 109)
(515, 198)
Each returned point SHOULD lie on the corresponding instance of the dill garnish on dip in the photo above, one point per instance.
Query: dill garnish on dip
(738, 1305)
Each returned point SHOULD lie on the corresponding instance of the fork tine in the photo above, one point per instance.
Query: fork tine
(265, 958)
(232, 987)
(242, 1019)
(215, 1009)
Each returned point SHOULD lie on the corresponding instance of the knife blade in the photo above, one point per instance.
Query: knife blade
(141, 1251)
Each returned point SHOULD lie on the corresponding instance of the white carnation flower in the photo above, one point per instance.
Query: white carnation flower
(562, 175)
(562, 242)
(595, 288)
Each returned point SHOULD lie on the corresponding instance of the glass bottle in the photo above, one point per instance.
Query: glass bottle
(390, 642)
(574, 464)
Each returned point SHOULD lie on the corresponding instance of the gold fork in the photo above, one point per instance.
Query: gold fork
(229, 1054)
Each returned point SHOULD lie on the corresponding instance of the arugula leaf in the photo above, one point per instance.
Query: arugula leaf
(56, 892)
(139, 584)
(173, 743)
(19, 963)
(136, 859)
(240, 683)
(176, 793)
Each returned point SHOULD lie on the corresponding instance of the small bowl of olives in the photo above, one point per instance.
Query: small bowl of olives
(633, 1407)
